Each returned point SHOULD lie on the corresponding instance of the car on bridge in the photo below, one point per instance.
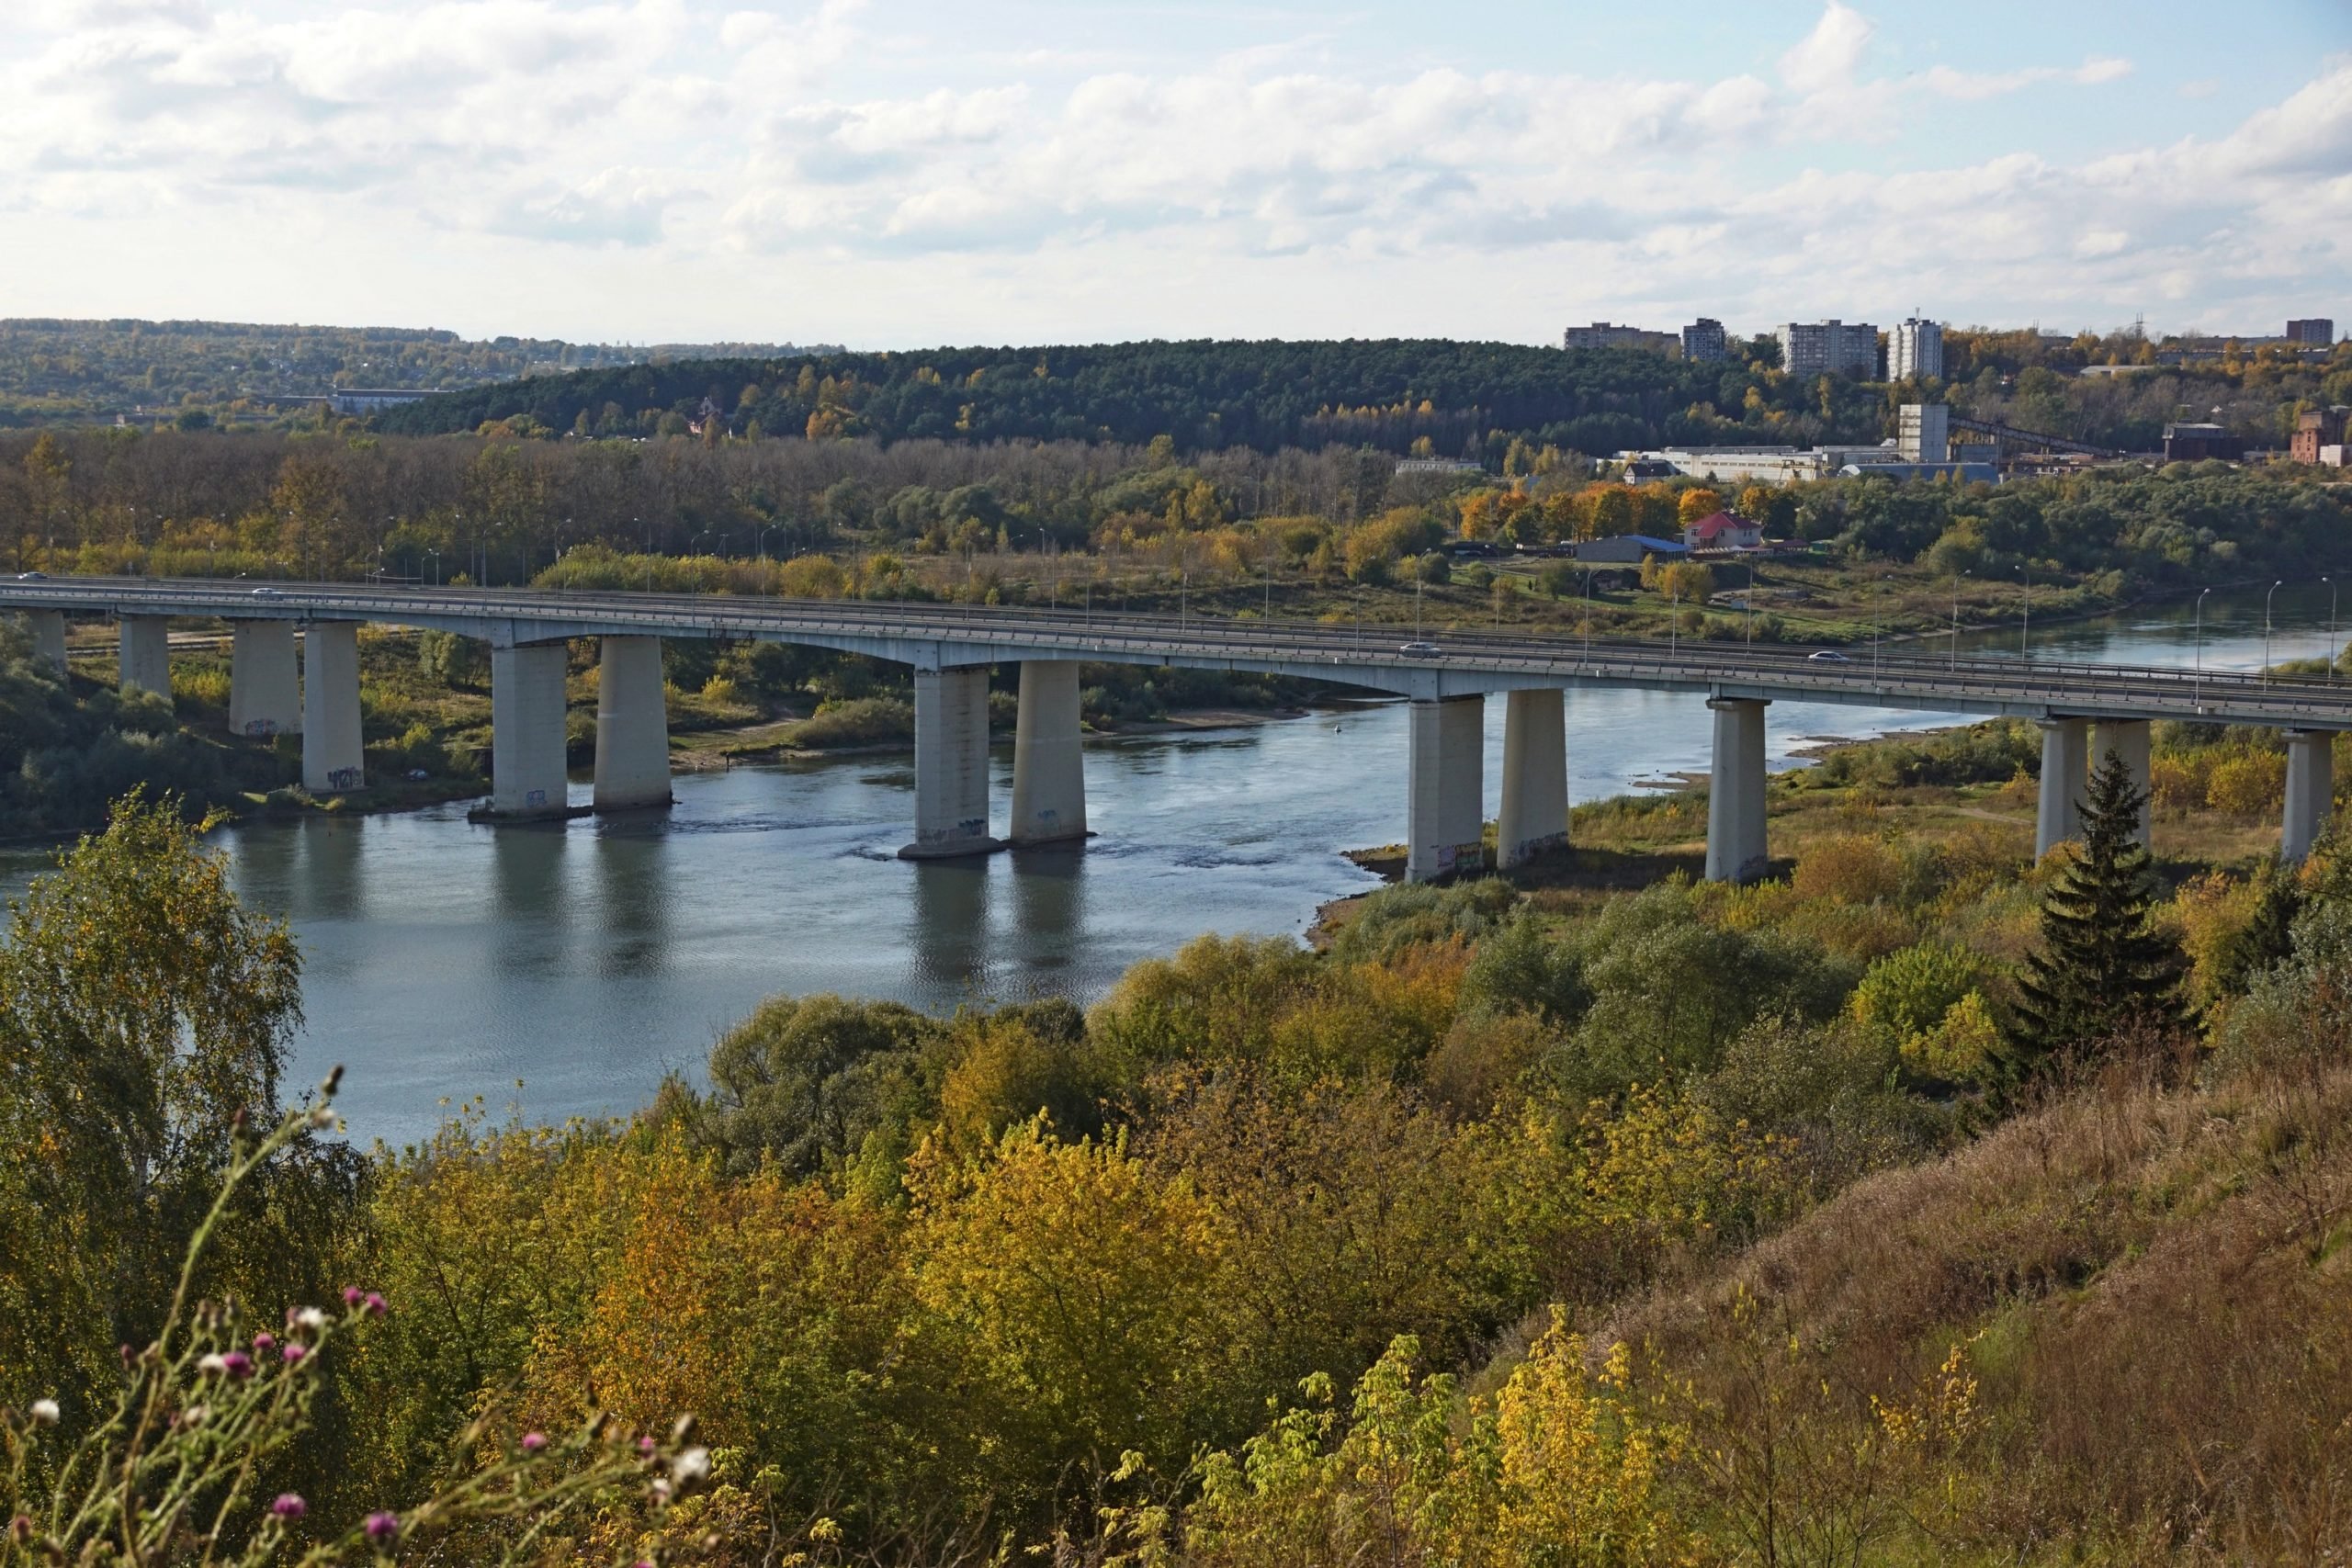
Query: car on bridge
(1828, 656)
(1418, 650)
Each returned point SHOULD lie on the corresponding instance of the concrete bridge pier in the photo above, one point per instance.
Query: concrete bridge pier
(1446, 772)
(147, 655)
(2065, 746)
(951, 764)
(526, 760)
(331, 755)
(632, 726)
(1048, 759)
(2310, 788)
(2128, 739)
(1736, 845)
(265, 682)
(48, 627)
(1534, 815)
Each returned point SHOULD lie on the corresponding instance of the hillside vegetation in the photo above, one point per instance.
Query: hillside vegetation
(1690, 1224)
(1439, 396)
(53, 370)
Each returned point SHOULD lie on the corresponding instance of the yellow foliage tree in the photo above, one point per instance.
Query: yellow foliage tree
(1697, 503)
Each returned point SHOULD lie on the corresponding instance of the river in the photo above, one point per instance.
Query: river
(564, 969)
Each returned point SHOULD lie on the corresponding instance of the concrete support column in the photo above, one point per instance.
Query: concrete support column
(1049, 763)
(265, 683)
(1735, 850)
(632, 725)
(1535, 776)
(146, 655)
(951, 764)
(1446, 772)
(2128, 739)
(2065, 746)
(332, 757)
(2310, 788)
(526, 770)
(48, 627)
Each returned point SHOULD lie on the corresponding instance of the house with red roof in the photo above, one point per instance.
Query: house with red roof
(1722, 530)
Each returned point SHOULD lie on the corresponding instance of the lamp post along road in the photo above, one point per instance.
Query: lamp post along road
(2197, 682)
(2265, 630)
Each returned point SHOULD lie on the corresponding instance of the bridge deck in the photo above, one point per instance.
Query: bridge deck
(944, 636)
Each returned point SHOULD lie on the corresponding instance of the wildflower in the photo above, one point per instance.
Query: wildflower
(310, 1318)
(213, 1365)
(323, 1117)
(22, 1529)
(691, 1466)
(238, 1365)
(351, 1296)
(534, 1441)
(44, 1413)
(294, 1352)
(196, 1415)
(660, 1490)
(645, 1445)
(262, 1342)
(373, 1306)
(290, 1506)
(383, 1526)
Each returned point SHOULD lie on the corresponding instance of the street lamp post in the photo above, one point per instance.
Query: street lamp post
(436, 565)
(1955, 620)
(1674, 623)
(2331, 628)
(2265, 630)
(2197, 682)
(2025, 614)
(1588, 614)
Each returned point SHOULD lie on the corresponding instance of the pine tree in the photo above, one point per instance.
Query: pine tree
(2102, 968)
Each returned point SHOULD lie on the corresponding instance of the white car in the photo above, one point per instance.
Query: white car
(1828, 656)
(1418, 650)
(267, 593)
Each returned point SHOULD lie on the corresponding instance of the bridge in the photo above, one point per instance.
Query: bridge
(2082, 709)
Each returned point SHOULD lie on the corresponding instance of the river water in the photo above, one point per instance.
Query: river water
(563, 969)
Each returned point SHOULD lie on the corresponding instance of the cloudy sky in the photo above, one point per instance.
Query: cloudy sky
(901, 173)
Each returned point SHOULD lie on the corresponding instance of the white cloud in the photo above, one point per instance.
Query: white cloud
(1831, 53)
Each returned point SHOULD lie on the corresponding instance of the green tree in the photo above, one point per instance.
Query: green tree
(2102, 968)
(145, 1018)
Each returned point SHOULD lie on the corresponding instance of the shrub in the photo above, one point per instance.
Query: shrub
(861, 721)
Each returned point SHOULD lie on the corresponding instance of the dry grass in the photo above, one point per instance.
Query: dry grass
(2159, 1280)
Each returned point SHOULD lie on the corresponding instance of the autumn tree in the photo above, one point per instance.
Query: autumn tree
(1698, 503)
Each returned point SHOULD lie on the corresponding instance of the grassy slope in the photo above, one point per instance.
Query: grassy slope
(2151, 1288)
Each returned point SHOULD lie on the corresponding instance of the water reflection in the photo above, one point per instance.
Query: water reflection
(632, 906)
(947, 931)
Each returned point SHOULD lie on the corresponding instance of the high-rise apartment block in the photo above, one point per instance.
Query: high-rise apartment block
(2316, 331)
(1809, 348)
(1600, 334)
(1923, 433)
(1703, 339)
(1915, 349)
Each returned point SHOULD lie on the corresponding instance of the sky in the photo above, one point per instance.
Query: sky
(897, 174)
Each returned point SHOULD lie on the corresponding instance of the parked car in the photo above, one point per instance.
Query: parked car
(1418, 650)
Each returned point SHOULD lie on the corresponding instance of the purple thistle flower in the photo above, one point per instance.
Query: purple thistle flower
(290, 1506)
(534, 1441)
(373, 1306)
(237, 1364)
(351, 1296)
(262, 1342)
(645, 1445)
(383, 1526)
(294, 1353)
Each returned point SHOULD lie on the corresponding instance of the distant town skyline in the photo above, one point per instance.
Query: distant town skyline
(899, 174)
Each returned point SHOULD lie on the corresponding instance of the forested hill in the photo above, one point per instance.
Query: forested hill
(1464, 398)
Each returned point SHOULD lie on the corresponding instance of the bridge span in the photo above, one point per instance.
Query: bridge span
(2082, 709)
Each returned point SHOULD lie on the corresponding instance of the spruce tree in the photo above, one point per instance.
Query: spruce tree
(2102, 968)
